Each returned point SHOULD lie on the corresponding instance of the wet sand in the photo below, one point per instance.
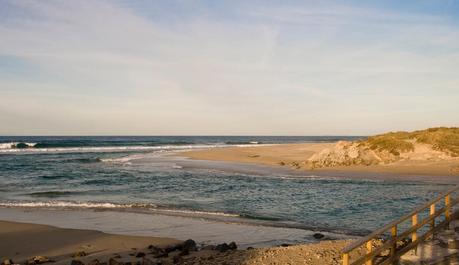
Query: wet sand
(294, 156)
(23, 241)
(202, 230)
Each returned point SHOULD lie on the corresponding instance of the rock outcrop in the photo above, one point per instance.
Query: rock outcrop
(344, 153)
(433, 144)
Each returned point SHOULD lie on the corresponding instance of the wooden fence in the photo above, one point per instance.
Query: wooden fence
(395, 243)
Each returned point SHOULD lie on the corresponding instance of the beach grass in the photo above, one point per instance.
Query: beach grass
(441, 138)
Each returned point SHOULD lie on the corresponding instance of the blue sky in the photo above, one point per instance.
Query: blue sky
(227, 67)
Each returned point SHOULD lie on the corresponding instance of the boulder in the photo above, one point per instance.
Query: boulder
(318, 236)
(76, 262)
(232, 246)
(189, 245)
(184, 252)
(208, 247)
(79, 254)
(222, 247)
(344, 153)
(113, 261)
(177, 259)
(171, 248)
(156, 251)
(94, 262)
(146, 261)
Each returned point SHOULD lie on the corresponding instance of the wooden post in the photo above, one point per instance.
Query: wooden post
(345, 258)
(432, 212)
(447, 208)
(393, 232)
(369, 248)
(414, 222)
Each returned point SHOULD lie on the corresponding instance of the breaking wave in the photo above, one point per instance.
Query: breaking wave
(33, 148)
(109, 205)
(16, 145)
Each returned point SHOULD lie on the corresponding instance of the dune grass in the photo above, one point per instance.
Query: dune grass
(441, 138)
(393, 142)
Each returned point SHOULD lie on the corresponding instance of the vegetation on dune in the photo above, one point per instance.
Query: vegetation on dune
(389, 147)
(441, 139)
(394, 143)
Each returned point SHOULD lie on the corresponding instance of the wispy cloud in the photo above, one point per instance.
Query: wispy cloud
(104, 67)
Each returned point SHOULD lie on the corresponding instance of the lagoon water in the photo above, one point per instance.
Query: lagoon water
(140, 176)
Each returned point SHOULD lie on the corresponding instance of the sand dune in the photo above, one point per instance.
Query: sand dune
(422, 161)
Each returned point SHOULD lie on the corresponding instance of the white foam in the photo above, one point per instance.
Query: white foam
(107, 205)
(9, 149)
(12, 145)
(193, 212)
(63, 204)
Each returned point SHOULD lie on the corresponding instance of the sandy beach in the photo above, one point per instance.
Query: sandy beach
(22, 241)
(294, 156)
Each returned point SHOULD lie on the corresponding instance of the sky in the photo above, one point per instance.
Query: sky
(227, 67)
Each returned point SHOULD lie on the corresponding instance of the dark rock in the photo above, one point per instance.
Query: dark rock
(76, 262)
(94, 262)
(189, 245)
(146, 261)
(208, 247)
(232, 246)
(222, 247)
(250, 248)
(113, 261)
(157, 252)
(318, 236)
(139, 255)
(79, 254)
(162, 255)
(177, 259)
(184, 252)
(169, 249)
(285, 245)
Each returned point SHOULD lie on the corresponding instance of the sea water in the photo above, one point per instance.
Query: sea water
(143, 175)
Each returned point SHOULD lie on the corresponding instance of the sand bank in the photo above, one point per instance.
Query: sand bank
(293, 156)
(22, 241)
(203, 230)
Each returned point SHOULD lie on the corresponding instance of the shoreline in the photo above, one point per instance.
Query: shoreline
(21, 242)
(245, 232)
(292, 157)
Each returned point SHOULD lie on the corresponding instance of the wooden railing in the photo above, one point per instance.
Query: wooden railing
(398, 243)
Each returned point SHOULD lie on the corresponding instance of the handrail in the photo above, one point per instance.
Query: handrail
(395, 237)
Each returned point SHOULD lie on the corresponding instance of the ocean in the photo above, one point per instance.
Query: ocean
(141, 175)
